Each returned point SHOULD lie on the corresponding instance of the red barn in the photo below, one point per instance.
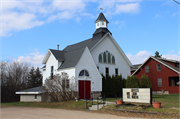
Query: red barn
(163, 74)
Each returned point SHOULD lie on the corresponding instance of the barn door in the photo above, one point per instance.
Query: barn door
(84, 89)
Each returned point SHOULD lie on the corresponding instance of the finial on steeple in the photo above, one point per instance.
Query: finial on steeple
(101, 9)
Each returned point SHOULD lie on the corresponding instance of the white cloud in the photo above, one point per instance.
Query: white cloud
(34, 58)
(172, 56)
(139, 58)
(114, 7)
(13, 21)
(21, 15)
(127, 8)
(68, 5)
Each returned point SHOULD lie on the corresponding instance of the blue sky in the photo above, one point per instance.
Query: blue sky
(140, 27)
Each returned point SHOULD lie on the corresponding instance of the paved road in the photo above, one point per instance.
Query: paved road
(49, 113)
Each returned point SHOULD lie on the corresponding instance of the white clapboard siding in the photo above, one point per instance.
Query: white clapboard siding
(86, 62)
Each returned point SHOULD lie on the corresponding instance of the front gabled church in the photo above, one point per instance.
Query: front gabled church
(85, 61)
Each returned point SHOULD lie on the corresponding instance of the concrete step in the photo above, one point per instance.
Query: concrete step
(94, 107)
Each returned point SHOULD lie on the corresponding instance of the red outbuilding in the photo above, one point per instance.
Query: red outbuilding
(163, 74)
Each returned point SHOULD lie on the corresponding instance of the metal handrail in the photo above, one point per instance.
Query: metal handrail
(89, 100)
(103, 97)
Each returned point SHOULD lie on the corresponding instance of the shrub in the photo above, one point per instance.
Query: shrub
(132, 82)
(145, 82)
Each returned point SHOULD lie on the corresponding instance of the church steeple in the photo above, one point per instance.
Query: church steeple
(101, 21)
(101, 27)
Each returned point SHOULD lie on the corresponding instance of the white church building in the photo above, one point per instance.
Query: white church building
(87, 60)
(84, 62)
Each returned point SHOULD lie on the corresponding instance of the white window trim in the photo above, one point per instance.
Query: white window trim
(85, 76)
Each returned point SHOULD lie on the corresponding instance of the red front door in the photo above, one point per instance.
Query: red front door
(84, 89)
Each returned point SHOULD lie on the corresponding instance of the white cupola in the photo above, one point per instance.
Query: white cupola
(101, 21)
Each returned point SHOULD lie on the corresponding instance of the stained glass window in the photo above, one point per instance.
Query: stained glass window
(84, 73)
(109, 58)
(100, 58)
(104, 57)
(113, 60)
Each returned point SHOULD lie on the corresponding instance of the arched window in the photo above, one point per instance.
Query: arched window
(109, 58)
(84, 73)
(104, 57)
(113, 60)
(100, 58)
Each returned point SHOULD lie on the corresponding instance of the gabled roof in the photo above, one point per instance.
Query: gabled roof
(89, 43)
(135, 67)
(71, 58)
(175, 69)
(101, 17)
(72, 53)
(59, 55)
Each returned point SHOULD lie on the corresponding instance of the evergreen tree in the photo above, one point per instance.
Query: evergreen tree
(35, 78)
(104, 87)
(128, 82)
(38, 77)
(134, 82)
(145, 82)
(157, 54)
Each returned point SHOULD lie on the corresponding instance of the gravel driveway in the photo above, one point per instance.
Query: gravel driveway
(49, 113)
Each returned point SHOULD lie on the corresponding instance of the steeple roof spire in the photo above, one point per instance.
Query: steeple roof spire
(101, 17)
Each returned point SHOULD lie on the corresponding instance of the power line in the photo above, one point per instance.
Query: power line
(176, 2)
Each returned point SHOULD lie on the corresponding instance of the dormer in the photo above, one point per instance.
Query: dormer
(101, 21)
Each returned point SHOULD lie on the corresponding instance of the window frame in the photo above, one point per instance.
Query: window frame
(109, 58)
(107, 74)
(158, 68)
(100, 56)
(35, 97)
(84, 73)
(116, 72)
(67, 83)
(114, 60)
(52, 72)
(147, 68)
(159, 82)
(104, 57)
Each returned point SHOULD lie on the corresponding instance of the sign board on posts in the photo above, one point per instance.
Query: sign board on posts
(138, 95)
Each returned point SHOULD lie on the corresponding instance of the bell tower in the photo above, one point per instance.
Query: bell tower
(101, 27)
(101, 21)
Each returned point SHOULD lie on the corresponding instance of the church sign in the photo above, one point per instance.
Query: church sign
(137, 95)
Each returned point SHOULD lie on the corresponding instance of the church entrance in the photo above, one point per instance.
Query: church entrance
(84, 89)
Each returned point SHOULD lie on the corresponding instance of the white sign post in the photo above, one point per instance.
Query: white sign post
(137, 95)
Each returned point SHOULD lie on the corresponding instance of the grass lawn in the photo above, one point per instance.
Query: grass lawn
(170, 100)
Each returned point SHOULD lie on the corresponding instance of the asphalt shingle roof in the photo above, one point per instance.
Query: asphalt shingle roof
(101, 17)
(71, 58)
(173, 67)
(35, 89)
(59, 55)
(135, 67)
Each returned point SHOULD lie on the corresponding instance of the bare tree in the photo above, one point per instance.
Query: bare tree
(14, 77)
(60, 88)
